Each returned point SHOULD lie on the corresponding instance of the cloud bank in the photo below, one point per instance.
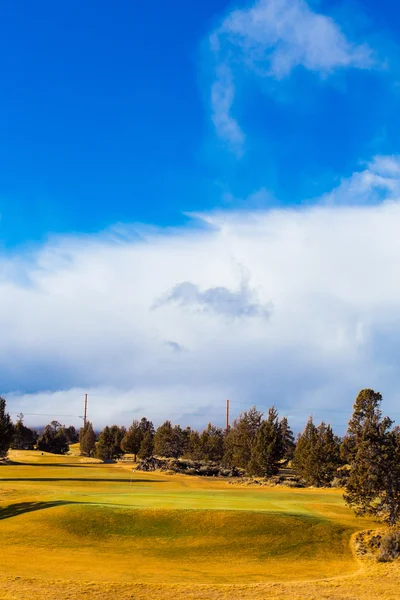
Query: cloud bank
(316, 317)
(270, 39)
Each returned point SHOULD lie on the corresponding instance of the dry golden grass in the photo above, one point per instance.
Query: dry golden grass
(70, 529)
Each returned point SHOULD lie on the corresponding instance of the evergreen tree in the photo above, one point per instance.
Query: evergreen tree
(146, 426)
(71, 434)
(109, 445)
(372, 449)
(6, 429)
(317, 454)
(186, 433)
(287, 439)
(146, 449)
(304, 459)
(168, 440)
(268, 449)
(24, 438)
(238, 442)
(132, 439)
(212, 443)
(194, 451)
(118, 434)
(105, 445)
(53, 439)
(87, 440)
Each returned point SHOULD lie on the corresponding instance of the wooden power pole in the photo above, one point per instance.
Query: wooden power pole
(85, 413)
(227, 416)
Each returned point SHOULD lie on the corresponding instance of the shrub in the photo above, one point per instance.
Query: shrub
(389, 548)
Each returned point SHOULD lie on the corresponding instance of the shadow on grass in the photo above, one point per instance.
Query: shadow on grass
(24, 507)
(16, 463)
(83, 479)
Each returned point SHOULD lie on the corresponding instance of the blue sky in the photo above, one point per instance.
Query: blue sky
(105, 116)
(118, 121)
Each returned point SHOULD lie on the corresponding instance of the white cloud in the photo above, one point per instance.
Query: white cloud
(79, 315)
(379, 181)
(270, 39)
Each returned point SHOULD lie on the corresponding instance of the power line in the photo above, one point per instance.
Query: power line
(46, 415)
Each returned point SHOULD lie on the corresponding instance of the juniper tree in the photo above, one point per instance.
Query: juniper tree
(268, 450)
(239, 441)
(212, 443)
(146, 445)
(317, 454)
(53, 439)
(71, 434)
(168, 440)
(194, 450)
(87, 440)
(287, 439)
(109, 445)
(6, 429)
(133, 438)
(372, 449)
(24, 438)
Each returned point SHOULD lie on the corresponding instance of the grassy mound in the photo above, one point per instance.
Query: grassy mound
(112, 543)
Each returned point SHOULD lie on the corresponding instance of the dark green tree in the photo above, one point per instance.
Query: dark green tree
(372, 449)
(53, 439)
(146, 449)
(239, 440)
(168, 440)
(6, 429)
(212, 443)
(287, 439)
(72, 434)
(305, 458)
(132, 439)
(87, 440)
(317, 454)
(194, 450)
(24, 438)
(268, 450)
(109, 444)
(146, 426)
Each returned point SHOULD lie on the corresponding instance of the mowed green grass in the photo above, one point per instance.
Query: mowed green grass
(65, 518)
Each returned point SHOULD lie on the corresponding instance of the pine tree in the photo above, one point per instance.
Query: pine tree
(53, 439)
(194, 451)
(317, 454)
(147, 445)
(268, 449)
(372, 449)
(6, 429)
(287, 439)
(87, 440)
(239, 440)
(109, 445)
(24, 438)
(132, 439)
(304, 459)
(72, 434)
(212, 443)
(168, 440)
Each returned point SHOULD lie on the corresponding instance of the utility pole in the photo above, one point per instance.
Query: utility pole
(85, 413)
(227, 416)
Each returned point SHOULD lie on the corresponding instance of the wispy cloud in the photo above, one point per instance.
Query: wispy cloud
(270, 39)
(377, 182)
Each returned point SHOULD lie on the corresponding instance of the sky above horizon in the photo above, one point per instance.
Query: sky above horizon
(199, 201)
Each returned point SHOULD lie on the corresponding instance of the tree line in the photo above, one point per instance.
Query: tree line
(365, 461)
